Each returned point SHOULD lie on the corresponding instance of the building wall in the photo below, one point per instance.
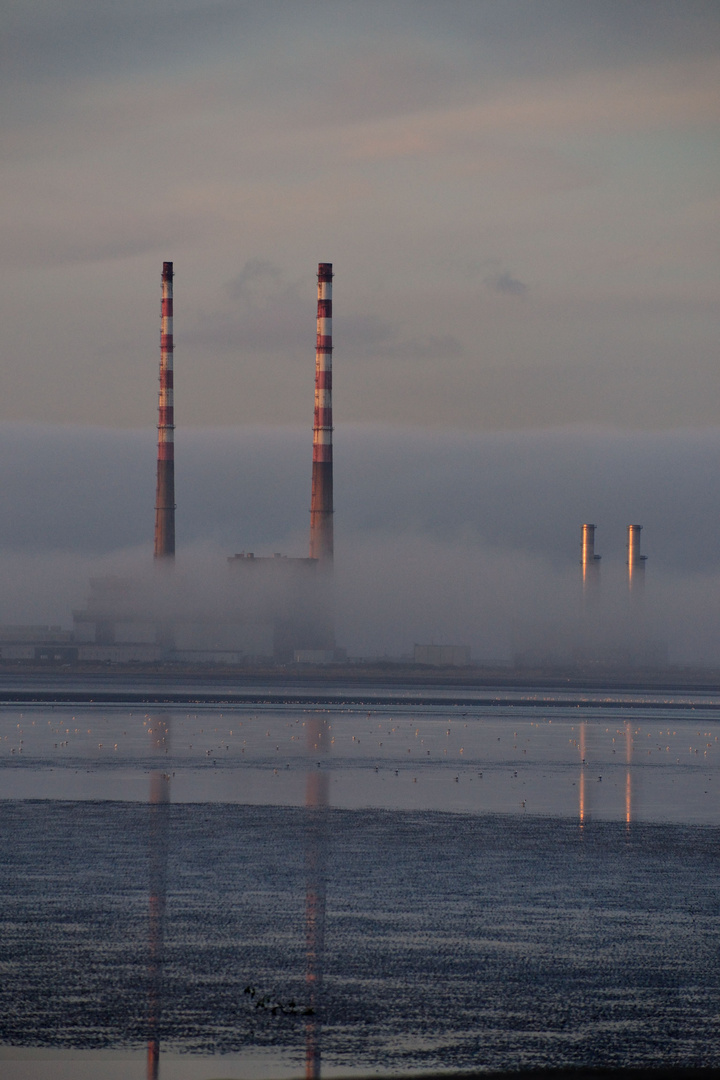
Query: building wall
(442, 655)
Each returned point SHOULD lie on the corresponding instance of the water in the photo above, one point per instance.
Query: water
(250, 889)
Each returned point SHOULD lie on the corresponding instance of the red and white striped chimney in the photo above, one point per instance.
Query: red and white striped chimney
(165, 497)
(321, 507)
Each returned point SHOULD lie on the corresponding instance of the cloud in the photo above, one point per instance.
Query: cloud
(364, 332)
(380, 341)
(95, 234)
(372, 336)
(266, 312)
(507, 284)
(262, 310)
(49, 42)
(258, 283)
(431, 347)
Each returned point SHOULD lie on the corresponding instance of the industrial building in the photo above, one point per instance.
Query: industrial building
(42, 644)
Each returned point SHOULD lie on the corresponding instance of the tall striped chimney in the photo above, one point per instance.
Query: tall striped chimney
(165, 496)
(321, 507)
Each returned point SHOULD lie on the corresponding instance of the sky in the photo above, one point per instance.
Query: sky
(520, 200)
(521, 203)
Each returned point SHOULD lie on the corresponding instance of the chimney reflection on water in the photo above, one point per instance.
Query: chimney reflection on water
(582, 800)
(316, 804)
(159, 813)
(581, 797)
(628, 775)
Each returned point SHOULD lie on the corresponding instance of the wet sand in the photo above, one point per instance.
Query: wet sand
(448, 939)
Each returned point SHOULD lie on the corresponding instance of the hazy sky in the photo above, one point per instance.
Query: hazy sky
(521, 201)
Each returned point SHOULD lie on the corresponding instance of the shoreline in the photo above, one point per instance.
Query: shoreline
(387, 684)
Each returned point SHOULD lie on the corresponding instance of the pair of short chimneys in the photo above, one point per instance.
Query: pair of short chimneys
(590, 562)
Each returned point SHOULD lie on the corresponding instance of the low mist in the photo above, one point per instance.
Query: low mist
(440, 537)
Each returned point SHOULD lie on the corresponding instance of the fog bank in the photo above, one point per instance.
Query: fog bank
(441, 537)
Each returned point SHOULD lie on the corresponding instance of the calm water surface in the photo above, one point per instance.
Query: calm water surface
(279, 890)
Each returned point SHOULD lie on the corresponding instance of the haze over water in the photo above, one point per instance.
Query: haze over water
(380, 887)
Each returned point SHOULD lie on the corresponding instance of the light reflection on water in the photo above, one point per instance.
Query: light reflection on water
(649, 767)
(158, 840)
(403, 886)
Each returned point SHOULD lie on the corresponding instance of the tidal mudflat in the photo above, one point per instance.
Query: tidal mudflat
(276, 890)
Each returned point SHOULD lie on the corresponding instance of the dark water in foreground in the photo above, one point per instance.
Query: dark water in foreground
(384, 906)
(491, 941)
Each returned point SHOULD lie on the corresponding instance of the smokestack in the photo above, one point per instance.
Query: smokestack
(635, 561)
(589, 561)
(165, 497)
(321, 507)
